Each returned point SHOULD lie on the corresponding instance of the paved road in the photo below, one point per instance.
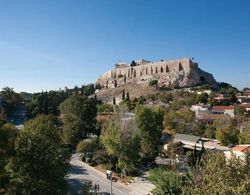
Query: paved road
(80, 171)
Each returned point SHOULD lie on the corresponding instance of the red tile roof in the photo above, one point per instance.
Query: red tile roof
(241, 148)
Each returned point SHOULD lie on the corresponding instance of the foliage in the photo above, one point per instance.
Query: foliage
(40, 164)
(48, 102)
(132, 104)
(202, 98)
(88, 90)
(165, 97)
(210, 132)
(10, 100)
(239, 111)
(104, 108)
(153, 82)
(87, 187)
(8, 134)
(120, 140)
(88, 145)
(133, 63)
(79, 118)
(166, 182)
(150, 125)
(173, 149)
(244, 136)
(44, 103)
(227, 88)
(227, 134)
(181, 121)
(152, 97)
(218, 176)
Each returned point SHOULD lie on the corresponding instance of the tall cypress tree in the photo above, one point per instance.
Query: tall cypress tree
(45, 103)
(123, 94)
(128, 96)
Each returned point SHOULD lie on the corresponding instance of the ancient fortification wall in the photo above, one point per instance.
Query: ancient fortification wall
(170, 73)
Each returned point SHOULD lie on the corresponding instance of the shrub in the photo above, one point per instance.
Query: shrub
(153, 82)
(105, 108)
(87, 146)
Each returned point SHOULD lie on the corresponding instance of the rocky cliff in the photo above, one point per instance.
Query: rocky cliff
(170, 74)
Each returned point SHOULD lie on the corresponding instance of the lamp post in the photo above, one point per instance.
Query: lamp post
(109, 176)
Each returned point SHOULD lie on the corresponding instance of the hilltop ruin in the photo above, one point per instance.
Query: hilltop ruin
(168, 74)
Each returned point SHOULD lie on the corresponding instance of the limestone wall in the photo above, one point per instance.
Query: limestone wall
(182, 72)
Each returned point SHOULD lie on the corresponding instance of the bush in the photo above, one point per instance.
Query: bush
(105, 108)
(87, 146)
(166, 182)
(153, 82)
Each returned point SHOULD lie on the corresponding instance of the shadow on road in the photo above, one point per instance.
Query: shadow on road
(75, 187)
(74, 169)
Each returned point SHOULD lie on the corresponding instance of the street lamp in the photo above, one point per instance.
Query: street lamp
(109, 176)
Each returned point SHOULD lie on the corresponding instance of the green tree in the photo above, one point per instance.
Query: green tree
(44, 103)
(120, 139)
(227, 135)
(79, 118)
(202, 98)
(10, 100)
(210, 132)
(123, 94)
(133, 63)
(244, 136)
(87, 145)
(40, 164)
(166, 182)
(104, 108)
(218, 176)
(181, 121)
(8, 134)
(88, 89)
(239, 111)
(150, 125)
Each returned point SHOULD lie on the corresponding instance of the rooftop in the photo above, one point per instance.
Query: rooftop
(208, 116)
(220, 108)
(186, 137)
(241, 148)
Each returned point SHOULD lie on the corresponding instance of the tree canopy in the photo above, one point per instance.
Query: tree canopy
(218, 176)
(10, 100)
(40, 163)
(120, 139)
(150, 125)
(79, 118)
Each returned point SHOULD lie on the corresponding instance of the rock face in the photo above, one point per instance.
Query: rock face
(169, 74)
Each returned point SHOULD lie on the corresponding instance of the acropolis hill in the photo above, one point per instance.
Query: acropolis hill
(169, 74)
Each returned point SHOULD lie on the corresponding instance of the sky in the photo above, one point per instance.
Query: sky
(47, 45)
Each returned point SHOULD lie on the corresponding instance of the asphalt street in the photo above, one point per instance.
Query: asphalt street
(80, 172)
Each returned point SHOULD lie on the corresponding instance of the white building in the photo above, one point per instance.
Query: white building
(199, 108)
(223, 110)
(239, 151)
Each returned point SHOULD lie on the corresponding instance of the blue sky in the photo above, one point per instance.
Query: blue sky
(48, 44)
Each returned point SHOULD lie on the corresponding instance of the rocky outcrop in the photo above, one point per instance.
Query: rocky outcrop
(170, 74)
